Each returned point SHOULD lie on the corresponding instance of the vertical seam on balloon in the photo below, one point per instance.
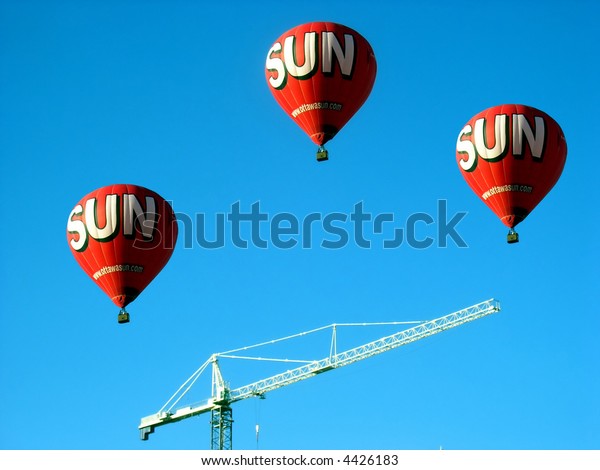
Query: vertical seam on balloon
(96, 255)
(296, 99)
(503, 196)
(492, 199)
(506, 163)
(315, 116)
(99, 258)
(308, 115)
(532, 169)
(112, 247)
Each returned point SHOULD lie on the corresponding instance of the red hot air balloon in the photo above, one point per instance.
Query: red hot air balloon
(122, 236)
(511, 156)
(321, 74)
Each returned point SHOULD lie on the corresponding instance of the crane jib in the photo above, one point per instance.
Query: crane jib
(222, 396)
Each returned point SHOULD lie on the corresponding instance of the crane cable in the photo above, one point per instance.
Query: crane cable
(333, 325)
(257, 419)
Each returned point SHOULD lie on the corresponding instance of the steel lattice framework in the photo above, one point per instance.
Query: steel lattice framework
(222, 396)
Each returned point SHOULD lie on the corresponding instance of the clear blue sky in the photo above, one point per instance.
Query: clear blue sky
(172, 96)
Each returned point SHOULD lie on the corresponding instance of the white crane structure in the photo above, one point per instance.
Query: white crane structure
(219, 403)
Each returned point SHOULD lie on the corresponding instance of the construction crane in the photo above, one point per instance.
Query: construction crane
(219, 403)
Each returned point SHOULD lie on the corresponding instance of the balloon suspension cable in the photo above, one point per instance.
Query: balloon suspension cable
(123, 316)
(512, 237)
(322, 154)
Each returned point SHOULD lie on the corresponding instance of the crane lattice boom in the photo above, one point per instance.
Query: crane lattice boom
(222, 396)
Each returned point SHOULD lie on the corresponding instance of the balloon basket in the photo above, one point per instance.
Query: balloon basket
(123, 316)
(322, 154)
(512, 237)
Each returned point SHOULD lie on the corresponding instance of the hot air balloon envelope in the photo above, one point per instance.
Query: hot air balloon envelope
(122, 236)
(320, 74)
(511, 156)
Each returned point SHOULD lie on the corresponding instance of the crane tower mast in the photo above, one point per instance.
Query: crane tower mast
(219, 404)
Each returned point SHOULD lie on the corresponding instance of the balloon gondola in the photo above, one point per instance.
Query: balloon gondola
(122, 236)
(322, 154)
(511, 156)
(321, 73)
